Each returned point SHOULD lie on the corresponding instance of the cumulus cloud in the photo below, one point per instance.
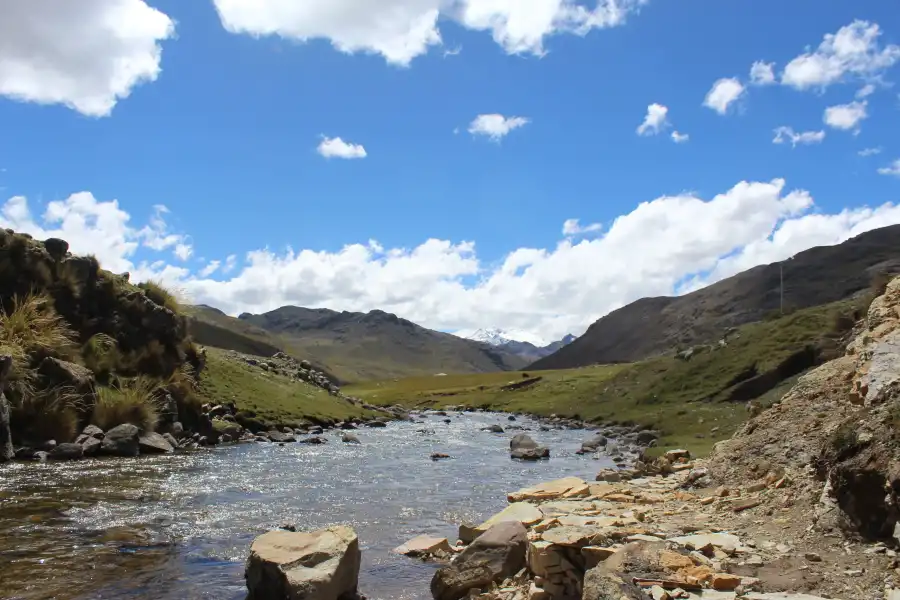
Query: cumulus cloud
(680, 138)
(865, 91)
(400, 30)
(787, 134)
(846, 116)
(655, 121)
(723, 94)
(854, 51)
(574, 227)
(338, 148)
(762, 73)
(86, 55)
(892, 169)
(100, 228)
(445, 284)
(496, 126)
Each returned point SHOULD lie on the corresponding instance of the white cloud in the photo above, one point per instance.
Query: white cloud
(338, 148)
(852, 51)
(96, 227)
(574, 227)
(86, 55)
(445, 285)
(680, 138)
(892, 169)
(400, 30)
(655, 121)
(452, 51)
(845, 116)
(865, 91)
(496, 126)
(723, 94)
(210, 268)
(869, 151)
(762, 73)
(783, 134)
(230, 263)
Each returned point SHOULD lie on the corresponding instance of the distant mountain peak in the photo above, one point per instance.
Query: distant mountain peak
(498, 337)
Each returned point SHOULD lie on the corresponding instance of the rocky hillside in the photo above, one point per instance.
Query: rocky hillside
(652, 326)
(376, 345)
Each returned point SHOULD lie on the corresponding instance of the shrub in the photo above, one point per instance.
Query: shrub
(50, 414)
(101, 354)
(162, 296)
(134, 402)
(33, 329)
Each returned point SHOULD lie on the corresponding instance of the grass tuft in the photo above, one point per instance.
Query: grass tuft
(161, 295)
(50, 414)
(33, 329)
(132, 402)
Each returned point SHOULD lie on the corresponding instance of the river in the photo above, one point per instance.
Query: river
(180, 526)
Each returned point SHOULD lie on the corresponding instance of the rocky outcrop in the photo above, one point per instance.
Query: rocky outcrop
(6, 448)
(318, 565)
(495, 555)
(122, 440)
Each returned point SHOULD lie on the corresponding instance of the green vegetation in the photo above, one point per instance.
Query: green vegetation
(49, 414)
(161, 295)
(695, 402)
(267, 398)
(132, 402)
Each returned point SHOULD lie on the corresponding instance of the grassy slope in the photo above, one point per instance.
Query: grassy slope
(683, 399)
(275, 398)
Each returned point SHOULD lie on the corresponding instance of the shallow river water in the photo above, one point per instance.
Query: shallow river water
(180, 527)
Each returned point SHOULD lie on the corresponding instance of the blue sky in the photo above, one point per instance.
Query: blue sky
(223, 132)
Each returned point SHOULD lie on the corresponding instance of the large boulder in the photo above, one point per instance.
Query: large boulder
(67, 452)
(495, 555)
(318, 565)
(122, 440)
(154, 443)
(277, 436)
(6, 448)
(525, 448)
(593, 444)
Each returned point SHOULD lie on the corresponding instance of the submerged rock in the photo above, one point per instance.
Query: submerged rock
(497, 554)
(349, 438)
(121, 440)
(317, 565)
(67, 452)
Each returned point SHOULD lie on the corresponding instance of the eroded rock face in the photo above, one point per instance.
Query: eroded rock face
(317, 565)
(496, 554)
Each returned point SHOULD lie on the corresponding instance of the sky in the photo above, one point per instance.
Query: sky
(522, 164)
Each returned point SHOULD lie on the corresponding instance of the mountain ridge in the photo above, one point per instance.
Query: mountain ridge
(652, 326)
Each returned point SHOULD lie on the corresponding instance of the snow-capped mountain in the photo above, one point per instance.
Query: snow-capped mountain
(522, 343)
(499, 337)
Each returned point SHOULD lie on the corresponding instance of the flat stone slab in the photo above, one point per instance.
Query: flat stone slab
(725, 541)
(568, 487)
(523, 512)
(423, 545)
(573, 537)
(781, 596)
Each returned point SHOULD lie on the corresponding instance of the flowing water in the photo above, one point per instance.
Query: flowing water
(180, 527)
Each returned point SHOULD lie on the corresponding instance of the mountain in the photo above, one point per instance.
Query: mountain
(375, 345)
(652, 326)
(528, 346)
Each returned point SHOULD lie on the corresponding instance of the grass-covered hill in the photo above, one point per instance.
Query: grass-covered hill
(651, 326)
(351, 346)
(695, 401)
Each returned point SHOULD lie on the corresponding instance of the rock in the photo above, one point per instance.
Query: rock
(593, 444)
(319, 565)
(602, 584)
(511, 418)
(91, 446)
(40, 456)
(574, 536)
(518, 512)
(525, 448)
(495, 555)
(279, 437)
(6, 448)
(171, 439)
(57, 248)
(224, 438)
(493, 429)
(568, 487)
(678, 455)
(48, 446)
(316, 430)
(121, 440)
(425, 545)
(439, 456)
(67, 452)
(154, 443)
(314, 440)
(61, 373)
(725, 582)
(707, 542)
(643, 438)
(594, 555)
(93, 431)
(349, 438)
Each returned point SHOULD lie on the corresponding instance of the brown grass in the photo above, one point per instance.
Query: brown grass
(131, 402)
